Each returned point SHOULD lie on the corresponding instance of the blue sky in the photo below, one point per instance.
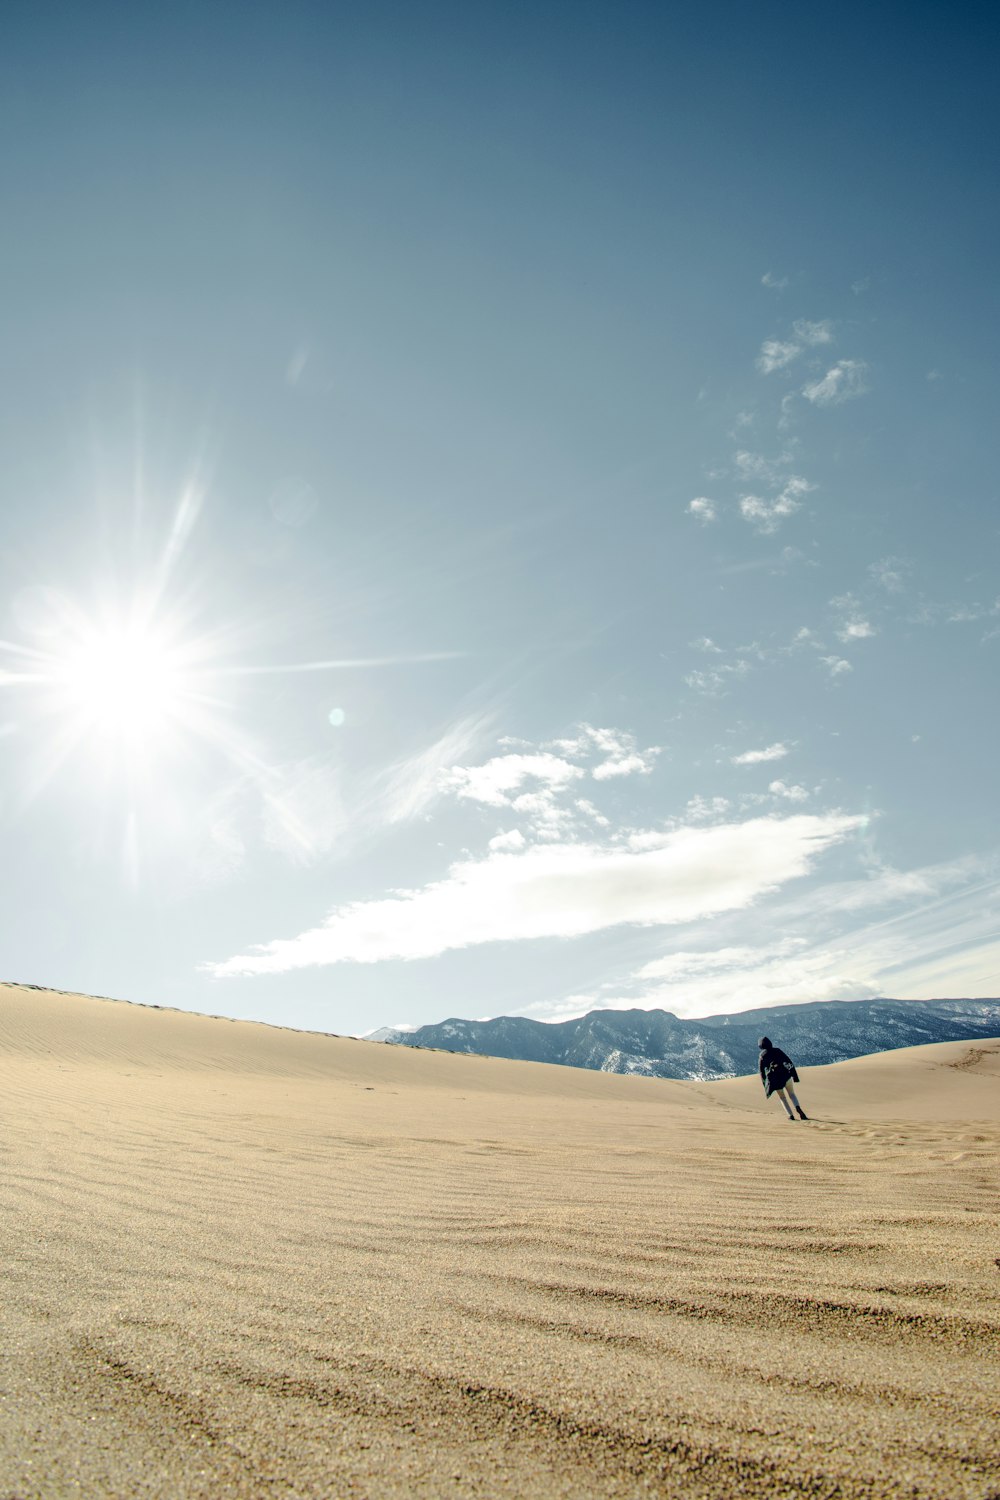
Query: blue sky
(499, 510)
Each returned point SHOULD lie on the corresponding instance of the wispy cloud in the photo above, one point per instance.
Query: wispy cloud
(562, 891)
(969, 613)
(776, 354)
(853, 624)
(890, 573)
(938, 937)
(847, 379)
(714, 681)
(296, 365)
(812, 334)
(686, 965)
(408, 787)
(787, 412)
(293, 501)
(304, 812)
(776, 283)
(758, 467)
(749, 979)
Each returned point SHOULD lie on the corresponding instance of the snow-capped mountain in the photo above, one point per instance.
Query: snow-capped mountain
(660, 1045)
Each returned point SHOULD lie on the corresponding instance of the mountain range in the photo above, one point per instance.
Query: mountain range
(660, 1045)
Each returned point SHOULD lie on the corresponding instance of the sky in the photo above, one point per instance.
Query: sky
(499, 507)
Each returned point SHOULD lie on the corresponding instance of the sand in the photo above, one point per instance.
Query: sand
(243, 1261)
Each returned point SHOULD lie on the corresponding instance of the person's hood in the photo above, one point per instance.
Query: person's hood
(764, 1042)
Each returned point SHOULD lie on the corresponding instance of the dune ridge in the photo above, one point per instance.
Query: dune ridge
(244, 1261)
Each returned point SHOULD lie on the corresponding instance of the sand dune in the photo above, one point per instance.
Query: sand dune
(242, 1261)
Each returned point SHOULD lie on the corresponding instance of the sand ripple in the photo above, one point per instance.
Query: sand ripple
(243, 1262)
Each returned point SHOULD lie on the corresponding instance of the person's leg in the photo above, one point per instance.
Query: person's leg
(788, 1108)
(791, 1094)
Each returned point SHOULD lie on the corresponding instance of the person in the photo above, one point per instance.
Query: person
(777, 1074)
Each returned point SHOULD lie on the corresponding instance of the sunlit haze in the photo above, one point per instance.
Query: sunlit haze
(498, 508)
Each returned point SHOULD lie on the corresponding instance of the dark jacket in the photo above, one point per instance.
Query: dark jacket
(776, 1067)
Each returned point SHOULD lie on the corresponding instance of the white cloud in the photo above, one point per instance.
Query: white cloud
(755, 757)
(854, 624)
(562, 891)
(513, 839)
(619, 750)
(549, 819)
(767, 515)
(855, 630)
(590, 811)
(700, 809)
(776, 283)
(639, 839)
(837, 665)
(848, 378)
(626, 765)
(703, 510)
(791, 793)
(535, 782)
(493, 782)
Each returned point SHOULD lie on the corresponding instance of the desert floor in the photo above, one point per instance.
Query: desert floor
(243, 1261)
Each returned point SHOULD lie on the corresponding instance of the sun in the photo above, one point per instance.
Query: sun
(125, 683)
(130, 701)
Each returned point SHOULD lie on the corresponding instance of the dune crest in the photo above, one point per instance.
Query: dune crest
(243, 1261)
